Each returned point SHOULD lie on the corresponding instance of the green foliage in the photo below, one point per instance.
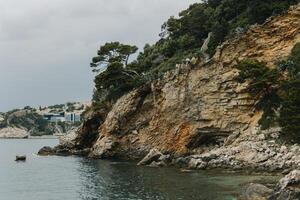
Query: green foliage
(290, 111)
(294, 68)
(112, 52)
(269, 104)
(295, 55)
(276, 91)
(185, 34)
(116, 81)
(220, 17)
(118, 76)
(115, 76)
(219, 30)
(292, 64)
(262, 80)
(263, 84)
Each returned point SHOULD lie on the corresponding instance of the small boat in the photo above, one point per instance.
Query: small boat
(20, 158)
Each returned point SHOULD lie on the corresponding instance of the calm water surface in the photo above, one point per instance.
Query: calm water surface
(72, 178)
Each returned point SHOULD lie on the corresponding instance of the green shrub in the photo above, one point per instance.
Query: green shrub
(263, 85)
(276, 92)
(262, 80)
(290, 111)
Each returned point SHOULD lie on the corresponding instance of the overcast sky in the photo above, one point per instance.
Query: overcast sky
(46, 45)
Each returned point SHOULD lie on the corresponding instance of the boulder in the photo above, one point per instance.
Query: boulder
(197, 164)
(256, 192)
(288, 187)
(152, 156)
(46, 151)
(181, 161)
(291, 179)
(20, 158)
(158, 164)
(206, 157)
(62, 151)
(165, 158)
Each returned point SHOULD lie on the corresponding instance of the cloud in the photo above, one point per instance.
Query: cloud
(46, 46)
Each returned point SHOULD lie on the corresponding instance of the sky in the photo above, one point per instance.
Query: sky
(46, 46)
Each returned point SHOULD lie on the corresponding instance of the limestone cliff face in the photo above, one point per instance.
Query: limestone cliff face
(198, 106)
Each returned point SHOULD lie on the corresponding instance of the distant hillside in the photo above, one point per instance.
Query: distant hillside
(35, 122)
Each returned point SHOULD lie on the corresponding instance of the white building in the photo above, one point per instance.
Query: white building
(55, 117)
(63, 117)
(72, 117)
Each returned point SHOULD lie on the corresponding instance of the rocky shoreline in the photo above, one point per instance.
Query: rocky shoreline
(254, 153)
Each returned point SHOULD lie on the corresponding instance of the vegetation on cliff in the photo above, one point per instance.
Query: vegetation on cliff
(290, 97)
(278, 91)
(116, 75)
(221, 17)
(181, 38)
(263, 84)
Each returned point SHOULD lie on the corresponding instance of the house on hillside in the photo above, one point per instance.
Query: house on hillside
(63, 117)
(53, 117)
(72, 117)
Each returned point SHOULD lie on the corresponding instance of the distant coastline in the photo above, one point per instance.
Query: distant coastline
(31, 137)
(44, 137)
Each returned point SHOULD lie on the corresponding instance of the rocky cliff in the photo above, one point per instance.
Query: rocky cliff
(198, 115)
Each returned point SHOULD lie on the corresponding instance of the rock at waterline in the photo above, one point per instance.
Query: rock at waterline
(256, 192)
(152, 156)
(46, 151)
(155, 159)
(20, 158)
(288, 187)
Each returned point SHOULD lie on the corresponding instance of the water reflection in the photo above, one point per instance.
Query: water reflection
(125, 181)
(111, 180)
(73, 178)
